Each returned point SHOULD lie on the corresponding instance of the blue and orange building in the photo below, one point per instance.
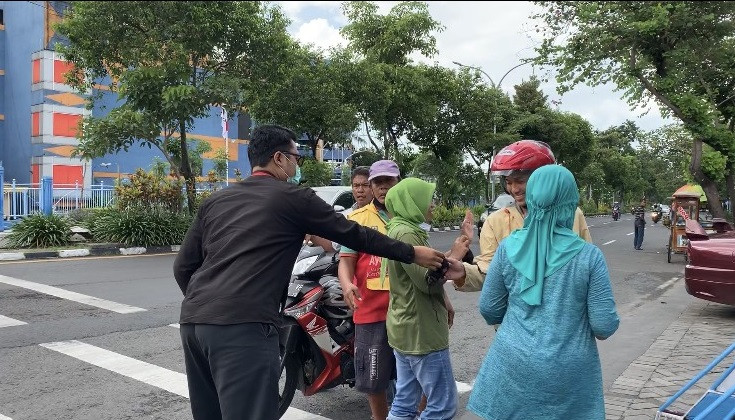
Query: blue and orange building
(39, 112)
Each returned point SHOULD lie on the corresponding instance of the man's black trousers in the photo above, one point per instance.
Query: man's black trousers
(232, 370)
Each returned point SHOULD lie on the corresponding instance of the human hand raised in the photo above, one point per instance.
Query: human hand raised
(468, 225)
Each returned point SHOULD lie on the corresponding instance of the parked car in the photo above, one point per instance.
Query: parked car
(502, 201)
(340, 197)
(710, 269)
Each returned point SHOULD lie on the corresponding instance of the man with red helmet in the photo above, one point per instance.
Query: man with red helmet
(514, 164)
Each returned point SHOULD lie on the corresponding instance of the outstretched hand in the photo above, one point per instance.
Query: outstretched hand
(427, 257)
(456, 269)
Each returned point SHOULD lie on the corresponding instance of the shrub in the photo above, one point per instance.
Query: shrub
(149, 191)
(448, 216)
(141, 227)
(40, 231)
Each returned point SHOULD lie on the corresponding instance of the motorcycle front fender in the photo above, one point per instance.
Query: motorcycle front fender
(289, 333)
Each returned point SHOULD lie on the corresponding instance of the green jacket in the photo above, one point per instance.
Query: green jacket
(417, 318)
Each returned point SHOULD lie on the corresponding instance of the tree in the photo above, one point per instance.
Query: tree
(529, 98)
(678, 53)
(315, 173)
(170, 62)
(311, 100)
(380, 46)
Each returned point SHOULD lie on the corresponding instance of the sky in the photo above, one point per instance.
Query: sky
(494, 36)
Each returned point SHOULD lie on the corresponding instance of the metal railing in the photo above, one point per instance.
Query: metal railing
(21, 200)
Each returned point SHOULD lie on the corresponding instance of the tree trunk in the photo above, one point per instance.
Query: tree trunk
(709, 186)
(730, 179)
(185, 169)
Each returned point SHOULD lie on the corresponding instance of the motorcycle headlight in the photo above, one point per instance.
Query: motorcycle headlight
(301, 266)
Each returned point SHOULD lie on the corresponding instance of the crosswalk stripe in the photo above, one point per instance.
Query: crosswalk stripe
(157, 376)
(9, 322)
(463, 388)
(73, 296)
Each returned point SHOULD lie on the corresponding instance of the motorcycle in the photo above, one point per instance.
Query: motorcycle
(655, 216)
(616, 214)
(317, 332)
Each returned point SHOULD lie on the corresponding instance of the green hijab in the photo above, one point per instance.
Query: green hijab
(546, 242)
(408, 202)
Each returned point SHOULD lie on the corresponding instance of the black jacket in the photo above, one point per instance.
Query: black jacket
(236, 260)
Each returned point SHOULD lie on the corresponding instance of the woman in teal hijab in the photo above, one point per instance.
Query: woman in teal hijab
(550, 291)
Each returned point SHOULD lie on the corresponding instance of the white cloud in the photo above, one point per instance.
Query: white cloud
(494, 36)
(319, 33)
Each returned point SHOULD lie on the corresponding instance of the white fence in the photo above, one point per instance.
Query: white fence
(20, 200)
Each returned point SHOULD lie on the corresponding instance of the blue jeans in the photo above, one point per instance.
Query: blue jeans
(640, 229)
(430, 374)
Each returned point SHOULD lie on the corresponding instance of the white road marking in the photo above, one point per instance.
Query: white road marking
(157, 376)
(463, 388)
(631, 233)
(606, 223)
(668, 283)
(73, 296)
(9, 322)
(609, 242)
(4, 417)
(174, 325)
(589, 226)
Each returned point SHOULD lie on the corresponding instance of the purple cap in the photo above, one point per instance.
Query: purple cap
(384, 168)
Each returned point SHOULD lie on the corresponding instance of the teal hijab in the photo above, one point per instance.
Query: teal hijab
(546, 242)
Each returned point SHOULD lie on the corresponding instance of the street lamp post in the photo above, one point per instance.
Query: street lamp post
(495, 127)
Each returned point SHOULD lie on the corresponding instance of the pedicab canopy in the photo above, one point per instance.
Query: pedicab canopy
(691, 190)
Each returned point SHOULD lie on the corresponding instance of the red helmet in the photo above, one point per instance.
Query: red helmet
(523, 155)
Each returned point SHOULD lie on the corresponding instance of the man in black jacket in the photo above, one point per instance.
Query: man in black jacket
(234, 268)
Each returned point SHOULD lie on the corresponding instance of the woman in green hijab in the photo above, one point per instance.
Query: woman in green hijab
(418, 321)
(550, 291)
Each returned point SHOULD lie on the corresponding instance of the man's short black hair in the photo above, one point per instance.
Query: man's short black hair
(360, 171)
(267, 140)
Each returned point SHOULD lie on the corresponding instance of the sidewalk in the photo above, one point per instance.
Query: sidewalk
(686, 347)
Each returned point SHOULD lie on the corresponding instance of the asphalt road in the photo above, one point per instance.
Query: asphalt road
(99, 343)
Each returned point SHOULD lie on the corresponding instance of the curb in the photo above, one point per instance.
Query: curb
(93, 251)
(444, 229)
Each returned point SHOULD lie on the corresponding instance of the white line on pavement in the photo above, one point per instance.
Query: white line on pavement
(157, 376)
(174, 325)
(606, 223)
(629, 233)
(463, 388)
(4, 417)
(609, 242)
(589, 226)
(9, 322)
(73, 296)
(668, 283)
